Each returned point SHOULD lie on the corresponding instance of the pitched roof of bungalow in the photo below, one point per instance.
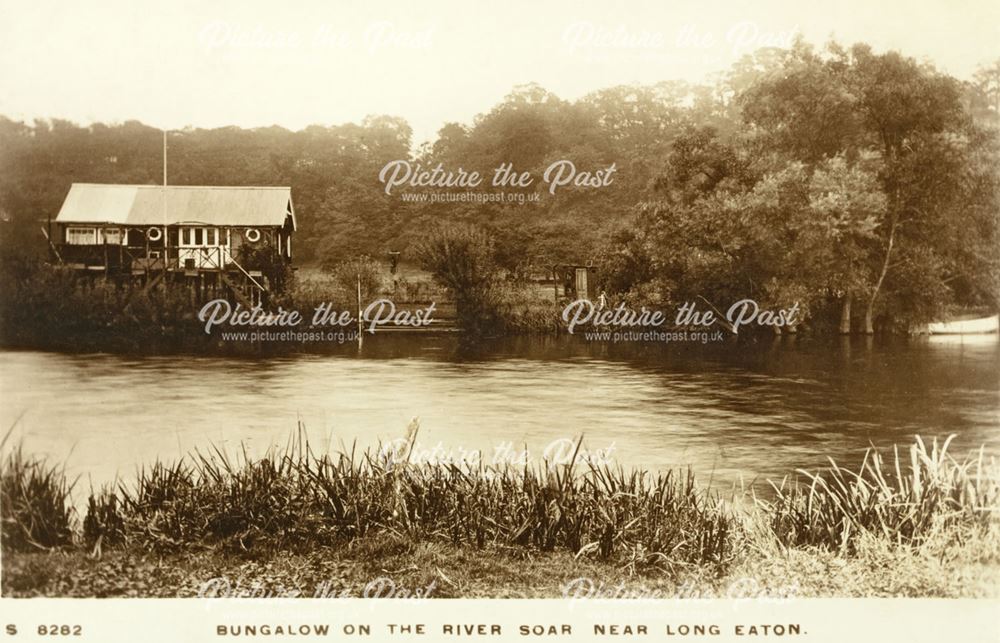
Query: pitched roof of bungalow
(142, 205)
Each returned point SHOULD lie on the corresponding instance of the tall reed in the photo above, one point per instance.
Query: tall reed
(904, 499)
(293, 497)
(35, 511)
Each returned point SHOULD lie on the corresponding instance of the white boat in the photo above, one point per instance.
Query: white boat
(974, 326)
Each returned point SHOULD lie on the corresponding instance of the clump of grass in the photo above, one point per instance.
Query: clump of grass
(103, 523)
(610, 513)
(904, 500)
(295, 497)
(640, 522)
(34, 504)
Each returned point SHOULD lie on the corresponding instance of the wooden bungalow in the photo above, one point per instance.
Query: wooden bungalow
(240, 237)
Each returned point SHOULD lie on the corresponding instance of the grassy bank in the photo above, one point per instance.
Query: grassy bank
(913, 522)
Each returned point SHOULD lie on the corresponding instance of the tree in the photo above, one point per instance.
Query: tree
(462, 260)
(984, 95)
(847, 203)
(855, 103)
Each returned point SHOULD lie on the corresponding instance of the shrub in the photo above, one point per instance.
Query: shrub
(487, 301)
(364, 270)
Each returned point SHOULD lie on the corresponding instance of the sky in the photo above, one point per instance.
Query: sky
(294, 63)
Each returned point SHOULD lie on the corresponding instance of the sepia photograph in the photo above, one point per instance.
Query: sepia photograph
(651, 305)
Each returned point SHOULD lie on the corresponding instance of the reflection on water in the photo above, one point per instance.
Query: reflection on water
(729, 411)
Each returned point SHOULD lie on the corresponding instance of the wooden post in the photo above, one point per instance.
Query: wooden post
(360, 331)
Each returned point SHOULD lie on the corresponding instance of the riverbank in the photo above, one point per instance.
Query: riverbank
(917, 523)
(49, 307)
(390, 567)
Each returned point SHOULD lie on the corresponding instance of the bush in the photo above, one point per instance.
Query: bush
(364, 270)
(463, 260)
(52, 307)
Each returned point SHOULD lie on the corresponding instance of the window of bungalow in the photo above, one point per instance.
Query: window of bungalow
(112, 236)
(81, 236)
(200, 237)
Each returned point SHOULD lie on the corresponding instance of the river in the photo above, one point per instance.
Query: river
(733, 413)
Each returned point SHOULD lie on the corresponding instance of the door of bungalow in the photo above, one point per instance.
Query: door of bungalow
(203, 248)
(581, 284)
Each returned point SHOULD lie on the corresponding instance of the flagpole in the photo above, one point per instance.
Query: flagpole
(165, 237)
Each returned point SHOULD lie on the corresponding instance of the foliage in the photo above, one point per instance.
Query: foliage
(34, 504)
(295, 499)
(364, 270)
(50, 306)
(904, 500)
(857, 176)
(264, 258)
(462, 259)
(826, 176)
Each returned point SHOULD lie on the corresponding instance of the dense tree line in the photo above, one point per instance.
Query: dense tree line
(855, 180)
(862, 185)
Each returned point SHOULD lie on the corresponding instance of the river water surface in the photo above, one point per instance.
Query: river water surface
(731, 412)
